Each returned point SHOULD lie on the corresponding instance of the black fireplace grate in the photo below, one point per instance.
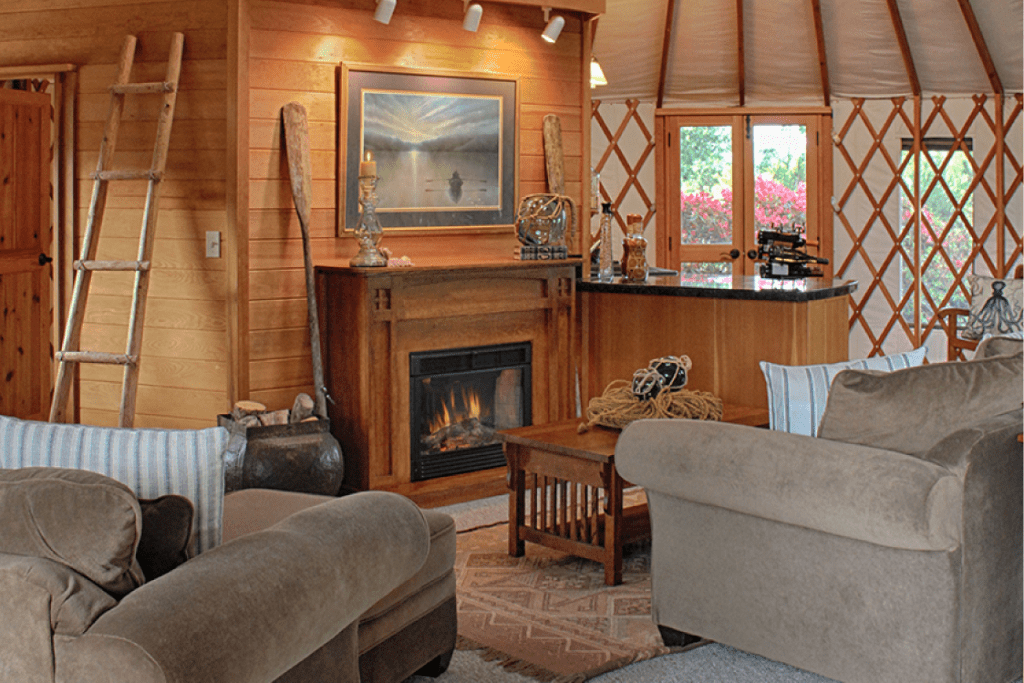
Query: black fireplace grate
(458, 462)
(451, 367)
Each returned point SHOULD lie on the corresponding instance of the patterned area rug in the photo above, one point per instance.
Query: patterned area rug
(549, 615)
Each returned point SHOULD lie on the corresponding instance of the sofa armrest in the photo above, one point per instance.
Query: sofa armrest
(873, 495)
(252, 608)
(25, 635)
(987, 456)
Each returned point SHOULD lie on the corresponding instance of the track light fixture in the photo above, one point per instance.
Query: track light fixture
(474, 11)
(385, 8)
(554, 27)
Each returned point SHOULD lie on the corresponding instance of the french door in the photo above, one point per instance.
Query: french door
(727, 174)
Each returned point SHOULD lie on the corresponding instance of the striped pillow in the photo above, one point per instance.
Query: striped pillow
(797, 393)
(151, 462)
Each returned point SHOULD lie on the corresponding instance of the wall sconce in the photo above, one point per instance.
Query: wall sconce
(473, 13)
(596, 73)
(384, 10)
(554, 27)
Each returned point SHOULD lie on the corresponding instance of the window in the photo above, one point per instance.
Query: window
(947, 214)
(764, 168)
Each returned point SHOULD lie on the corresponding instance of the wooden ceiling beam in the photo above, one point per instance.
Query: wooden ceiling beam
(741, 59)
(901, 38)
(670, 17)
(819, 35)
(979, 43)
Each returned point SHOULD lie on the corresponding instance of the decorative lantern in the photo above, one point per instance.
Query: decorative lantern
(672, 370)
(647, 383)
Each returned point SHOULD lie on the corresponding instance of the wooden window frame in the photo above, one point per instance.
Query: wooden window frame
(818, 122)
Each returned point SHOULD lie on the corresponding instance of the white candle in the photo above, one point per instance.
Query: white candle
(368, 167)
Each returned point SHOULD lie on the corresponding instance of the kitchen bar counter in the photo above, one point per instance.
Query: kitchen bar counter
(726, 287)
(726, 326)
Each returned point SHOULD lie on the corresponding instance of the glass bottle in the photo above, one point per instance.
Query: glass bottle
(634, 250)
(605, 271)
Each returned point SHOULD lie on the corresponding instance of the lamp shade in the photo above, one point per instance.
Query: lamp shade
(472, 20)
(596, 74)
(385, 8)
(553, 29)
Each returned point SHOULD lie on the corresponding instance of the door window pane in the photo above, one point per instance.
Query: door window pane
(705, 184)
(780, 175)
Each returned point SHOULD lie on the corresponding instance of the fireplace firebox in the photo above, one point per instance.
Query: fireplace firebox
(459, 400)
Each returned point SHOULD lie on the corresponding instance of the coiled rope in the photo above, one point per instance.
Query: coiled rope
(618, 406)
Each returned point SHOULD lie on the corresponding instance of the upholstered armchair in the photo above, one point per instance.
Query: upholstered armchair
(886, 549)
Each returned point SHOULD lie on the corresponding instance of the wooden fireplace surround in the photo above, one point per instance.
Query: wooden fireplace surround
(373, 318)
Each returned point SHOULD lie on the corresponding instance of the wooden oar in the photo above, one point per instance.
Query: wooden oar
(554, 162)
(296, 136)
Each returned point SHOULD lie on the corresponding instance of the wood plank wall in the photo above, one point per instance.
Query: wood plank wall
(184, 371)
(295, 49)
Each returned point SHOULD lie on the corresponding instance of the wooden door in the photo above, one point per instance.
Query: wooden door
(25, 312)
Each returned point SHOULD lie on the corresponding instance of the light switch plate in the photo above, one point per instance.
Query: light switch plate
(212, 244)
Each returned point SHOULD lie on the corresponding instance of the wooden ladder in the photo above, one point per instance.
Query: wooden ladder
(70, 352)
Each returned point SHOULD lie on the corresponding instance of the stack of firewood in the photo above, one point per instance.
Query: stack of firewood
(255, 414)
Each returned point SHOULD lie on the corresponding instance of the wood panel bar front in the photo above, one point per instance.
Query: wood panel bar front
(725, 330)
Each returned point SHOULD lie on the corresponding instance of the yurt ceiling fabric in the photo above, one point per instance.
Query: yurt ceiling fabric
(780, 48)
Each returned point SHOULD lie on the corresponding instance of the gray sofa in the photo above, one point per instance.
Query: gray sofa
(888, 549)
(303, 588)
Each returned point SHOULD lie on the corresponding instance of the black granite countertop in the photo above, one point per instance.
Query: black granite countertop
(725, 287)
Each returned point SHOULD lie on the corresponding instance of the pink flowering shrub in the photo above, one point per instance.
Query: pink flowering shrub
(706, 219)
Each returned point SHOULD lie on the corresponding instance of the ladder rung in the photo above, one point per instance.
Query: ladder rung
(126, 175)
(141, 88)
(112, 265)
(95, 357)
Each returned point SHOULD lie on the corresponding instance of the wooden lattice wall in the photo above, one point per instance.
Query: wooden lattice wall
(622, 154)
(871, 242)
(874, 242)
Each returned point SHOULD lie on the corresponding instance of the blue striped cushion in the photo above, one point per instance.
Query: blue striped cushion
(151, 462)
(797, 393)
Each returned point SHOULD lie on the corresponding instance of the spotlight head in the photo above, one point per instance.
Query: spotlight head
(472, 19)
(553, 29)
(384, 10)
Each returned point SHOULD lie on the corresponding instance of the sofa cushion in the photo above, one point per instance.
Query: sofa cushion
(797, 393)
(911, 410)
(166, 534)
(80, 519)
(75, 601)
(996, 306)
(151, 462)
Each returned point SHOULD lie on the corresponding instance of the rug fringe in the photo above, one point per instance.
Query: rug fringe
(507, 661)
(539, 673)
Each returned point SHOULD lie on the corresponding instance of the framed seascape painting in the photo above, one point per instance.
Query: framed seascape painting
(444, 147)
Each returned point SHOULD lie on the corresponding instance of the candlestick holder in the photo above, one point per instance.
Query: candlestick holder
(369, 231)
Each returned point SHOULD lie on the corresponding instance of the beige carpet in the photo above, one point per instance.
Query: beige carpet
(549, 615)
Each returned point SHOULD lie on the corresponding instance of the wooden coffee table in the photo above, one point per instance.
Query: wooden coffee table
(567, 495)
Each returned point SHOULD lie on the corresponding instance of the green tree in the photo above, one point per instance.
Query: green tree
(789, 171)
(704, 160)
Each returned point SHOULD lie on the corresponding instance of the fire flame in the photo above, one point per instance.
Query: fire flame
(451, 414)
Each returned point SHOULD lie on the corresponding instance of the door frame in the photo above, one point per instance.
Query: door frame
(819, 175)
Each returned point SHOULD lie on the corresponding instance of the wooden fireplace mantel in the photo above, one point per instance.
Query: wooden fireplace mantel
(373, 318)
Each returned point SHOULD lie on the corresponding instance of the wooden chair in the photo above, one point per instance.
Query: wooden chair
(949, 318)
